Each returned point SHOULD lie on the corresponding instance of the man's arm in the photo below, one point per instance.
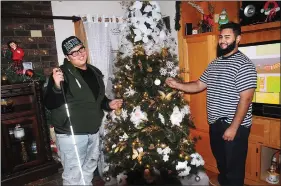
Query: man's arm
(245, 101)
(188, 87)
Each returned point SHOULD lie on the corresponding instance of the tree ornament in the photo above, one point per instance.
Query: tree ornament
(149, 69)
(118, 112)
(164, 52)
(107, 179)
(29, 73)
(197, 178)
(145, 95)
(157, 82)
(151, 147)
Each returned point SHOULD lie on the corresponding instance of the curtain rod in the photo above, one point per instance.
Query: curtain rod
(73, 18)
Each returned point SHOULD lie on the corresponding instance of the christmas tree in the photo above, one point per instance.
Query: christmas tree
(151, 131)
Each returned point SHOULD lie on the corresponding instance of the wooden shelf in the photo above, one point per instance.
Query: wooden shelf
(244, 29)
(201, 34)
(260, 27)
(17, 114)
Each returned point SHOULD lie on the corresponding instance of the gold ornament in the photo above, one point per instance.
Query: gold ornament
(163, 145)
(118, 112)
(186, 157)
(147, 166)
(145, 95)
(168, 97)
(181, 155)
(164, 52)
(151, 147)
(149, 69)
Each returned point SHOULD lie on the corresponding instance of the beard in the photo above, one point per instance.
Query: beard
(228, 49)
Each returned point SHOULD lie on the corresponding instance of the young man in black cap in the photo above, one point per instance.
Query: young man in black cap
(85, 94)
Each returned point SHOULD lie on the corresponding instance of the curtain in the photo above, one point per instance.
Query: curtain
(102, 34)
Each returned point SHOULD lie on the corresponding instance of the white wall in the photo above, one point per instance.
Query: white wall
(65, 28)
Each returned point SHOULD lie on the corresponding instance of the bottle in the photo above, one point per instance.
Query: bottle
(11, 134)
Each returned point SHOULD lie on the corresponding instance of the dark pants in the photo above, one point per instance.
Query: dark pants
(230, 155)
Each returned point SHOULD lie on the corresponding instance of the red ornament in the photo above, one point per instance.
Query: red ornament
(29, 72)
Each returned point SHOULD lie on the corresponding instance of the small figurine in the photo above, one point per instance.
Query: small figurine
(17, 55)
(223, 18)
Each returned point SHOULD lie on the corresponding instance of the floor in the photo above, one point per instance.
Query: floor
(57, 180)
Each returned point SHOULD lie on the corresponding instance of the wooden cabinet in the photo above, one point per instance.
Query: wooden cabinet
(26, 153)
(251, 170)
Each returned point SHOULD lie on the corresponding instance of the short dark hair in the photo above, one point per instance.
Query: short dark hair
(11, 42)
(234, 26)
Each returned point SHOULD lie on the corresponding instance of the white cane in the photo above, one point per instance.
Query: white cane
(72, 133)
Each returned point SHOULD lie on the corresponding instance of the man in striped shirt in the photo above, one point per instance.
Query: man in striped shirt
(230, 81)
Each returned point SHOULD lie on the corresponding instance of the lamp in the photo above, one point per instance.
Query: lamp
(273, 174)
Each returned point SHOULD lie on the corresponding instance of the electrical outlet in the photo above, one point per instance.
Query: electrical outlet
(216, 17)
(36, 33)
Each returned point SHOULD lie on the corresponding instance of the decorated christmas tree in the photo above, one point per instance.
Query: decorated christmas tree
(151, 132)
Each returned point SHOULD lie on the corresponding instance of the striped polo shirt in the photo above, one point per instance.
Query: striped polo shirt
(226, 77)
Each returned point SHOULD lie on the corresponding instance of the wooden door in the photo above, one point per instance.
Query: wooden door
(201, 51)
(252, 168)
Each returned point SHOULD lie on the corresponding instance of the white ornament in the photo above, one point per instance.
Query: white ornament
(176, 117)
(165, 157)
(128, 67)
(137, 116)
(183, 168)
(129, 92)
(161, 117)
(157, 82)
(173, 73)
(197, 160)
(170, 64)
(185, 110)
(124, 114)
(136, 6)
(113, 146)
(163, 71)
(124, 137)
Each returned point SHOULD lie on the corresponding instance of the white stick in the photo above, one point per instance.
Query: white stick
(75, 146)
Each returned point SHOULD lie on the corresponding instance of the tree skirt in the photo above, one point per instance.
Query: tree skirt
(200, 179)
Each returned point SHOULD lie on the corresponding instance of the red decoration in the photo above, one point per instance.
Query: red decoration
(29, 72)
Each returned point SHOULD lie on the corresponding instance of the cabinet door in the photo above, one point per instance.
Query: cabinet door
(252, 166)
(201, 51)
(22, 148)
(260, 130)
(274, 133)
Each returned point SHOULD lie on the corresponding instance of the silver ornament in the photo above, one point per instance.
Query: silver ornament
(107, 179)
(197, 178)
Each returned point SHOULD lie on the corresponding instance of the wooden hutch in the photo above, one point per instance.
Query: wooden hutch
(195, 52)
(25, 143)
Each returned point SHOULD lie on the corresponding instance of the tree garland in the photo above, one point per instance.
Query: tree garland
(178, 16)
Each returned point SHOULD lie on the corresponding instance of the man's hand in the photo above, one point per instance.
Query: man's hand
(171, 82)
(115, 104)
(229, 134)
(58, 77)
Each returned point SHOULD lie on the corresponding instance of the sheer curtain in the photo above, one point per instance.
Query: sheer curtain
(103, 35)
